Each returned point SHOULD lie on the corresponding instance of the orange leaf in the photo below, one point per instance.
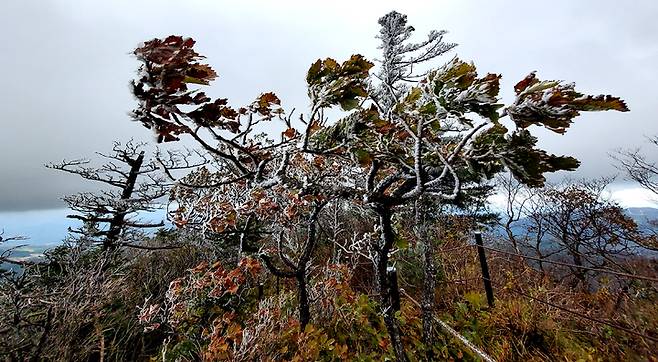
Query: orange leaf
(290, 133)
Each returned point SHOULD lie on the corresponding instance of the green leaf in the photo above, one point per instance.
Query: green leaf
(313, 71)
(363, 157)
(189, 79)
(349, 103)
(529, 164)
(331, 84)
(413, 95)
(401, 243)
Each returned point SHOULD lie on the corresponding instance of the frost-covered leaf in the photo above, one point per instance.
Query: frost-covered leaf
(170, 65)
(457, 89)
(455, 74)
(494, 148)
(350, 130)
(330, 83)
(555, 105)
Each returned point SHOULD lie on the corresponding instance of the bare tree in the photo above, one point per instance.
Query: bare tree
(574, 220)
(639, 168)
(518, 199)
(111, 217)
(592, 230)
(25, 323)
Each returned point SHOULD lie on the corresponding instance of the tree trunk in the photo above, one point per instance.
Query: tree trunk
(383, 285)
(429, 286)
(118, 220)
(429, 275)
(302, 296)
(302, 263)
(579, 273)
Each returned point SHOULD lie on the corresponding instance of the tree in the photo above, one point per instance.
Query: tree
(406, 136)
(635, 165)
(260, 190)
(427, 144)
(574, 220)
(111, 218)
(638, 168)
(523, 206)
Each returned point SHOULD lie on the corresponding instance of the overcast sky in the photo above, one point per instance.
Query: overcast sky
(66, 66)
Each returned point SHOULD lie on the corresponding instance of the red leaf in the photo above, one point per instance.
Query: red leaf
(529, 80)
(290, 133)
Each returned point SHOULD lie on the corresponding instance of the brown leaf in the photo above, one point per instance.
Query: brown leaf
(600, 103)
(529, 80)
(318, 162)
(290, 133)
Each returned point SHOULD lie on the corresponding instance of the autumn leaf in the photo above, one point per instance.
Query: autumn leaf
(318, 162)
(200, 268)
(343, 84)
(290, 133)
(554, 105)
(600, 103)
(529, 80)
(231, 287)
(384, 344)
(263, 104)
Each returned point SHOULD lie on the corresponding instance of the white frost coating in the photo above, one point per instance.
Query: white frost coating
(270, 182)
(547, 96)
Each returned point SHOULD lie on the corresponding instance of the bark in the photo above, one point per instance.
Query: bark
(302, 264)
(118, 220)
(302, 297)
(429, 286)
(579, 273)
(299, 269)
(429, 277)
(383, 285)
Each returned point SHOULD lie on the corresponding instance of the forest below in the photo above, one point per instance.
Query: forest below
(361, 229)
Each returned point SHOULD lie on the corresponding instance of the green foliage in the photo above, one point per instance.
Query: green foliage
(458, 90)
(494, 149)
(330, 83)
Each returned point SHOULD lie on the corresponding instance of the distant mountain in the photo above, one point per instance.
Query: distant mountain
(23, 254)
(642, 215)
(47, 228)
(642, 212)
(44, 229)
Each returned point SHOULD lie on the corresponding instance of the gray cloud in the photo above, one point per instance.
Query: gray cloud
(66, 66)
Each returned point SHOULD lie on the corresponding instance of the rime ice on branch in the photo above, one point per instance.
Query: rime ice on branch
(408, 134)
(110, 218)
